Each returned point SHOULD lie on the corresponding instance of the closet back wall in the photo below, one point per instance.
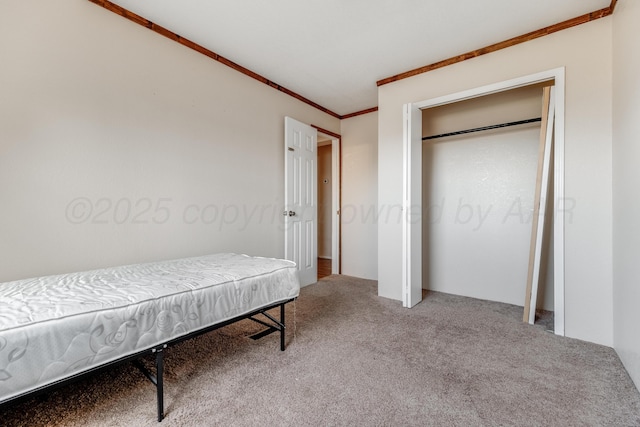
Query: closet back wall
(478, 197)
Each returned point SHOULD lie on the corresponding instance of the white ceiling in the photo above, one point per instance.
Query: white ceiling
(334, 51)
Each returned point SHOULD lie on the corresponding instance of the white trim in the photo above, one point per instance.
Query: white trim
(335, 206)
(413, 127)
(406, 202)
(493, 88)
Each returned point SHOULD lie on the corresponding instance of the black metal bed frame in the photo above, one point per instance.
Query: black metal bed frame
(272, 324)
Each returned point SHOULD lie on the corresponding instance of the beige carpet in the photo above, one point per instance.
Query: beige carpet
(356, 359)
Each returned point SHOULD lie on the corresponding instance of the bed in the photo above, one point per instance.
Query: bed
(54, 329)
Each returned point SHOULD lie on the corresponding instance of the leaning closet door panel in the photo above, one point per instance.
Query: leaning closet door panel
(478, 192)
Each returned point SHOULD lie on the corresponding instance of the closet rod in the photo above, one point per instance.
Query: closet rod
(501, 125)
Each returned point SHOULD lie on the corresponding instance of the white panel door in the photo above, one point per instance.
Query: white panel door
(301, 198)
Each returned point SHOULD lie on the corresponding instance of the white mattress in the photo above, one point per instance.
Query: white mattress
(56, 326)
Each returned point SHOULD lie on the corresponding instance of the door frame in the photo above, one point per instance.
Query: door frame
(412, 185)
(336, 202)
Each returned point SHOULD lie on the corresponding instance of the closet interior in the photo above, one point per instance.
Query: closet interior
(485, 182)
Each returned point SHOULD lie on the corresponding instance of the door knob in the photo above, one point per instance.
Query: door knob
(292, 213)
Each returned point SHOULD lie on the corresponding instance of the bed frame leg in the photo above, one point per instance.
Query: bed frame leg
(282, 328)
(159, 382)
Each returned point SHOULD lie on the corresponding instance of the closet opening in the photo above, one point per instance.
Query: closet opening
(479, 172)
(477, 165)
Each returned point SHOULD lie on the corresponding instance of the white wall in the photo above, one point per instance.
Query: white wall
(585, 51)
(626, 176)
(359, 198)
(478, 197)
(325, 183)
(118, 145)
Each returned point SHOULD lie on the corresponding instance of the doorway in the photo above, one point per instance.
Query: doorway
(325, 181)
(329, 179)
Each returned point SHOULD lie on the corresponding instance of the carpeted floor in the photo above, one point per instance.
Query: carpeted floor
(356, 359)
